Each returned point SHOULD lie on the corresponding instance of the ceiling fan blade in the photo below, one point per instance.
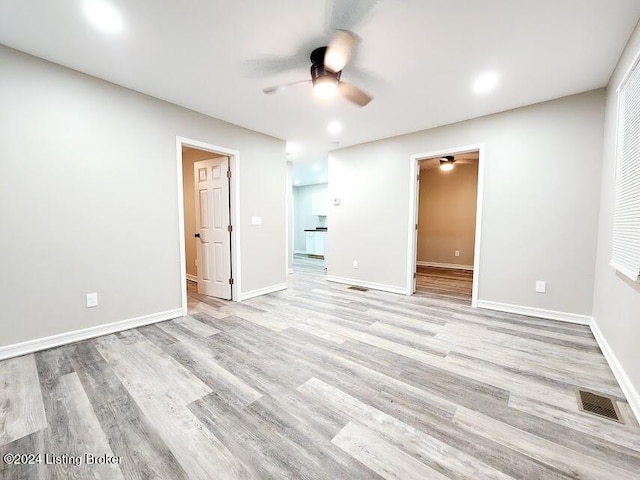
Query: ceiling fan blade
(341, 14)
(277, 88)
(354, 94)
(340, 50)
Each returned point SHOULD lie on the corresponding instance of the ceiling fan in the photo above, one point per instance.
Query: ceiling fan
(327, 64)
(447, 162)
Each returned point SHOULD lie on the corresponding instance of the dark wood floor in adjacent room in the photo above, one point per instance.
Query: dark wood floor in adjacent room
(322, 382)
(444, 283)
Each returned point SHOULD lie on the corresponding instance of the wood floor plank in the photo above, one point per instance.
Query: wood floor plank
(570, 462)
(75, 431)
(21, 406)
(131, 434)
(204, 366)
(382, 457)
(440, 456)
(323, 382)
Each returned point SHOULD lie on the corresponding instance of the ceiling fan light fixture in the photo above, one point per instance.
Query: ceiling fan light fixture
(485, 83)
(103, 16)
(446, 163)
(446, 166)
(325, 87)
(334, 127)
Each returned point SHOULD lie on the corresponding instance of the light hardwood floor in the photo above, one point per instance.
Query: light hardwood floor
(302, 263)
(319, 381)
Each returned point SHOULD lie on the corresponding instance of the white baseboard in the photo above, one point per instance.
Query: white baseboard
(193, 278)
(44, 343)
(371, 285)
(632, 395)
(536, 312)
(262, 291)
(289, 271)
(444, 265)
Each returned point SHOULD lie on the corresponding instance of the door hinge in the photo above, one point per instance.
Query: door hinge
(418, 177)
(230, 228)
(228, 173)
(231, 281)
(416, 226)
(415, 275)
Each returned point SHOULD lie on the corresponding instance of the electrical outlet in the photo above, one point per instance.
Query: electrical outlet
(92, 300)
(355, 264)
(457, 253)
(541, 286)
(256, 220)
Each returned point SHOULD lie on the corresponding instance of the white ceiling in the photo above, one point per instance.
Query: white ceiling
(417, 57)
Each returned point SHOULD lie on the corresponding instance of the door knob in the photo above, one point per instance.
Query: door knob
(197, 235)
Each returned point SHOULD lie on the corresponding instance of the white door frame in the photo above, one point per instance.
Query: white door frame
(413, 213)
(234, 214)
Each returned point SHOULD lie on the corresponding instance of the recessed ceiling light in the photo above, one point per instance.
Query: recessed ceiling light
(103, 16)
(485, 82)
(334, 127)
(292, 148)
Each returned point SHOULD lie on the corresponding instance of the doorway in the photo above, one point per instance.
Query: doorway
(310, 220)
(445, 238)
(209, 227)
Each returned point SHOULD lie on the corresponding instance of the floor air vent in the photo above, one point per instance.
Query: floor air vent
(598, 405)
(360, 289)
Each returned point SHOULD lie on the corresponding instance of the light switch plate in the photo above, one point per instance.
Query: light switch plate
(541, 286)
(336, 201)
(457, 253)
(92, 300)
(256, 220)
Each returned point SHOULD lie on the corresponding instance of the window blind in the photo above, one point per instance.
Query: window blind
(626, 226)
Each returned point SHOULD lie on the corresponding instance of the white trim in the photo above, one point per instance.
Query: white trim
(193, 278)
(43, 343)
(632, 395)
(371, 285)
(536, 312)
(300, 251)
(262, 291)
(630, 274)
(453, 266)
(234, 161)
(412, 250)
(636, 59)
(289, 271)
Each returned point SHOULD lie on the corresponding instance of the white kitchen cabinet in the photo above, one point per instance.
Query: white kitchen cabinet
(319, 243)
(319, 204)
(315, 242)
(310, 242)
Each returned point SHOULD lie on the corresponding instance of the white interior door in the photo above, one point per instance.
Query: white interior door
(213, 238)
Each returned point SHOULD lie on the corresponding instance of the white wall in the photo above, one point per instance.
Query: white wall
(616, 305)
(89, 200)
(303, 218)
(540, 209)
